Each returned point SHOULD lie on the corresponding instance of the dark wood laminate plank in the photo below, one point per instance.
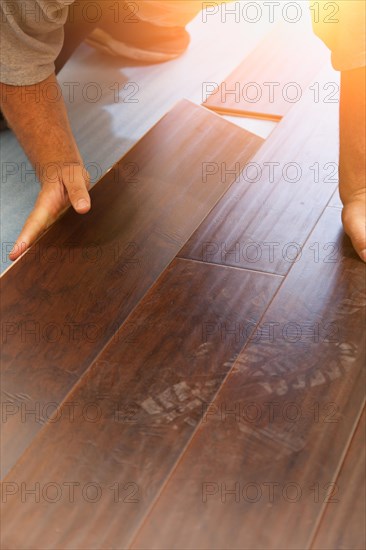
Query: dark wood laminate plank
(264, 219)
(66, 297)
(343, 525)
(266, 83)
(149, 386)
(105, 130)
(295, 396)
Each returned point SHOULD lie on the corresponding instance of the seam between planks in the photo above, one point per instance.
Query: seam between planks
(258, 271)
(311, 230)
(335, 479)
(77, 382)
(348, 444)
(186, 448)
(84, 374)
(194, 433)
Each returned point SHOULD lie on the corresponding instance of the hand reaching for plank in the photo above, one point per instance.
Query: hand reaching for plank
(43, 129)
(65, 185)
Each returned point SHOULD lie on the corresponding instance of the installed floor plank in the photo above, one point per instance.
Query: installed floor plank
(134, 410)
(260, 469)
(267, 83)
(264, 219)
(66, 297)
(343, 524)
(133, 98)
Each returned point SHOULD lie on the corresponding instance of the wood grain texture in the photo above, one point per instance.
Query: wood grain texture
(150, 387)
(281, 465)
(134, 98)
(343, 525)
(266, 216)
(66, 297)
(268, 81)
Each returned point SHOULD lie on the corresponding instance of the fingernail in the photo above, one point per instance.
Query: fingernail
(363, 255)
(18, 248)
(14, 249)
(81, 204)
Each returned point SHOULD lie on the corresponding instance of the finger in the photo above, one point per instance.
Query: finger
(354, 221)
(76, 181)
(38, 221)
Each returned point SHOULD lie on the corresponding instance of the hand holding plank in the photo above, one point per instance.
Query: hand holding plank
(64, 186)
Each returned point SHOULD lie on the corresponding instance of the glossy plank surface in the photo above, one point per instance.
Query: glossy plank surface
(266, 216)
(268, 82)
(66, 297)
(277, 432)
(132, 98)
(134, 410)
(343, 525)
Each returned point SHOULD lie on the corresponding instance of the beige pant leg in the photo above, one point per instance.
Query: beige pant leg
(341, 26)
(171, 12)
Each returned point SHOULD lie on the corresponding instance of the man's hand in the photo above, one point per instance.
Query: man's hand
(64, 186)
(354, 220)
(352, 186)
(42, 128)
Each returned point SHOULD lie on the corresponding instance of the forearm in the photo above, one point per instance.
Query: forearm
(41, 124)
(352, 133)
(42, 128)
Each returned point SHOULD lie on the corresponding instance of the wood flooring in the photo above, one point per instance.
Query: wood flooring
(183, 368)
(266, 218)
(272, 442)
(65, 298)
(273, 77)
(343, 525)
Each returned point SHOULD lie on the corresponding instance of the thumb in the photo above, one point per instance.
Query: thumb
(77, 181)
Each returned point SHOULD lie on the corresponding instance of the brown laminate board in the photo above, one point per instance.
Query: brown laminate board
(264, 219)
(146, 393)
(270, 80)
(66, 297)
(277, 431)
(343, 525)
